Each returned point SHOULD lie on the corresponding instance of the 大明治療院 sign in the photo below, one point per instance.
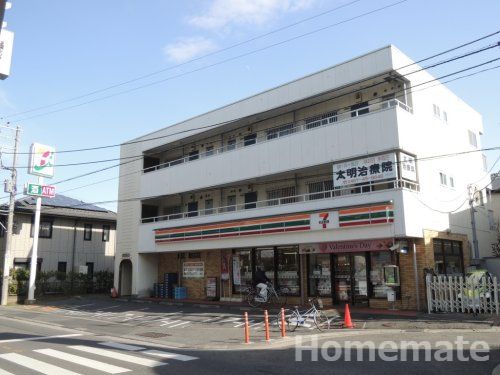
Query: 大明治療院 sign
(369, 169)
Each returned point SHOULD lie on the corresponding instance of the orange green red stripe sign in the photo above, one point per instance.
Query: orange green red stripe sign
(291, 223)
(379, 214)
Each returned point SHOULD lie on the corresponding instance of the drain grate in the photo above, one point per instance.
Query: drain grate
(153, 335)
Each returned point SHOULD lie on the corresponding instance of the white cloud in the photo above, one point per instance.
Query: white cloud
(188, 48)
(223, 13)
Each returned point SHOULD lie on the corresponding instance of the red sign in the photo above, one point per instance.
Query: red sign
(347, 246)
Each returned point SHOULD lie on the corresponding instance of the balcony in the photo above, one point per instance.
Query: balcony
(289, 201)
(331, 118)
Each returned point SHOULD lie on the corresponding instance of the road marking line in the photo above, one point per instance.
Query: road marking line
(210, 319)
(118, 356)
(242, 324)
(230, 320)
(179, 357)
(35, 338)
(82, 361)
(119, 345)
(36, 365)
(3, 372)
(256, 324)
(167, 322)
(179, 324)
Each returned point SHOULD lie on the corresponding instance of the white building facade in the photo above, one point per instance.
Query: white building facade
(325, 182)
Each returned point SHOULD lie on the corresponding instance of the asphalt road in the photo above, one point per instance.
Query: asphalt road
(33, 348)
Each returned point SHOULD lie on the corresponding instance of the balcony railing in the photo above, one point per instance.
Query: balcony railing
(321, 195)
(271, 134)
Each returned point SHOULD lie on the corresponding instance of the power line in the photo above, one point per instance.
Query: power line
(467, 54)
(141, 77)
(216, 63)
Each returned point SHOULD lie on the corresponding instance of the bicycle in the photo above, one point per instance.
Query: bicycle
(254, 298)
(294, 318)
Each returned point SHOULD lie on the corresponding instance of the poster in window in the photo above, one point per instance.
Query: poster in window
(236, 271)
(224, 271)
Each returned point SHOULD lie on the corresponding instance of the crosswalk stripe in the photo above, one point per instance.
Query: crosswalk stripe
(35, 338)
(3, 372)
(118, 345)
(36, 365)
(118, 356)
(179, 357)
(101, 366)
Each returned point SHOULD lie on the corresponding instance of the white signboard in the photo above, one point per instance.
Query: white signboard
(193, 270)
(360, 171)
(42, 160)
(408, 167)
(6, 44)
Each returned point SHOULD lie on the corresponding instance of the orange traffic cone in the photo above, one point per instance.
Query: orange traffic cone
(347, 317)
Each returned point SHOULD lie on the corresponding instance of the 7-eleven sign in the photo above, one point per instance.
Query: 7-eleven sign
(324, 220)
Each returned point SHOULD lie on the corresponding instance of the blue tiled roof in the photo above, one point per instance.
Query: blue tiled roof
(63, 202)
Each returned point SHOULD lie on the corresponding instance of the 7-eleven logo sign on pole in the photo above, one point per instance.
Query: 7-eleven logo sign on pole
(42, 160)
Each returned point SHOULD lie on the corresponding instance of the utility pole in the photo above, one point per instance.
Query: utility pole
(472, 194)
(10, 221)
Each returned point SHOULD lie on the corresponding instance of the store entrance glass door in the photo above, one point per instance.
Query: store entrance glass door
(350, 279)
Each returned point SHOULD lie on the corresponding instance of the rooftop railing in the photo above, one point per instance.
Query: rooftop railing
(271, 134)
(290, 200)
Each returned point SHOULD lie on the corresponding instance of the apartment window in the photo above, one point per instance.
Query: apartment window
(231, 144)
(105, 233)
(359, 109)
(172, 212)
(231, 203)
(87, 232)
(437, 111)
(45, 229)
(61, 270)
(485, 163)
(324, 119)
(443, 178)
(209, 151)
(448, 257)
(250, 200)
(320, 189)
(445, 117)
(280, 131)
(281, 196)
(250, 139)
(472, 138)
(193, 155)
(192, 209)
(209, 206)
(491, 220)
(452, 182)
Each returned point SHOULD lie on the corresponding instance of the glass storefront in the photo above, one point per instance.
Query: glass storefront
(448, 257)
(319, 275)
(378, 261)
(342, 278)
(244, 260)
(288, 270)
(280, 264)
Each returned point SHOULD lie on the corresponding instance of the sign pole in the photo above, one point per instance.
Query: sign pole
(34, 252)
(10, 224)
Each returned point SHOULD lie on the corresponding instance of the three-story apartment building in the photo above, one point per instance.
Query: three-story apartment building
(328, 183)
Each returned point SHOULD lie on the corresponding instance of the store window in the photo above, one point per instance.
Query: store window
(378, 261)
(448, 257)
(264, 258)
(289, 270)
(242, 270)
(320, 283)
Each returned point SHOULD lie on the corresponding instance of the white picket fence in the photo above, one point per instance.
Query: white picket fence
(458, 294)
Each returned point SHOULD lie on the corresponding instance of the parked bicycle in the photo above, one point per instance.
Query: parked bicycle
(295, 317)
(254, 298)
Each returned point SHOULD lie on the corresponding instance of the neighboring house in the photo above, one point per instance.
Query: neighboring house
(493, 259)
(315, 181)
(72, 234)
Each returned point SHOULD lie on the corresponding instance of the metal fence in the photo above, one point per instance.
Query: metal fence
(457, 294)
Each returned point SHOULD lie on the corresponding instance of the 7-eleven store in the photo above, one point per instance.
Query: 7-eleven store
(299, 253)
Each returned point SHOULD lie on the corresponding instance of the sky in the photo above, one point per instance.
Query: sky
(79, 49)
